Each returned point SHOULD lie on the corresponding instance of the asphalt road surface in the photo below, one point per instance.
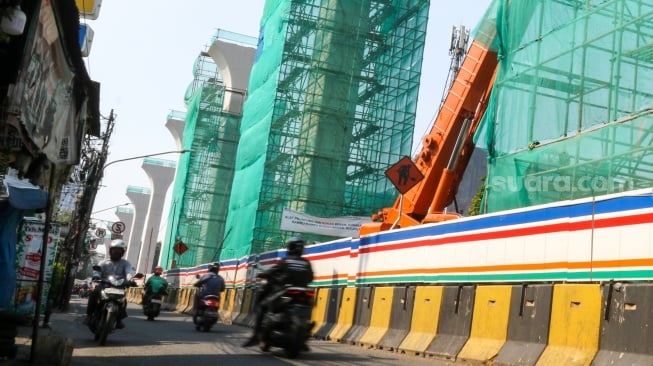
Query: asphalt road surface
(171, 340)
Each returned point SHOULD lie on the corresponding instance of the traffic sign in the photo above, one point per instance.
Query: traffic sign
(180, 247)
(100, 232)
(118, 227)
(404, 174)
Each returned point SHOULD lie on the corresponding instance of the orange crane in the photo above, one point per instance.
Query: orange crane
(447, 148)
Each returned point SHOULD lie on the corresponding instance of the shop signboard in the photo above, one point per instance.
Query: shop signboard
(28, 264)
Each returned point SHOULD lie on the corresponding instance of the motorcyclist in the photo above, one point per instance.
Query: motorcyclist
(114, 266)
(293, 270)
(155, 285)
(210, 284)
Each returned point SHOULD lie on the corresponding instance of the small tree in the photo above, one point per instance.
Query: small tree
(477, 200)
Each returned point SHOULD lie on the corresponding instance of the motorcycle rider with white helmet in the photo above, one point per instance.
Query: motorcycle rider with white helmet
(115, 266)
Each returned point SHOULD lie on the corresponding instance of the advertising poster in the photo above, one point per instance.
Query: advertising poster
(28, 264)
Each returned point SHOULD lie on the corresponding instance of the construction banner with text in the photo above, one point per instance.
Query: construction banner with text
(343, 226)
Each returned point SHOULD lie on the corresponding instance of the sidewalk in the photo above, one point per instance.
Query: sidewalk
(50, 344)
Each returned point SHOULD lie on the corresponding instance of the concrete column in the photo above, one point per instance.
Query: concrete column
(126, 215)
(235, 64)
(161, 173)
(140, 198)
(175, 123)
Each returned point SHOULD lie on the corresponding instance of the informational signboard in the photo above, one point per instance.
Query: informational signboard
(343, 226)
(404, 174)
(28, 264)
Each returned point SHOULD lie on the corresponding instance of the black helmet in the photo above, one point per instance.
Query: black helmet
(295, 245)
(214, 267)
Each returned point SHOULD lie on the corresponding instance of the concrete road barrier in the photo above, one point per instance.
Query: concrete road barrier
(226, 315)
(454, 322)
(346, 313)
(334, 300)
(574, 325)
(246, 307)
(379, 317)
(319, 308)
(403, 303)
(626, 325)
(489, 324)
(362, 315)
(528, 326)
(238, 302)
(424, 320)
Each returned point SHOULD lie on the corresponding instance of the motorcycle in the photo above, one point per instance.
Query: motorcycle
(112, 298)
(152, 303)
(207, 313)
(287, 322)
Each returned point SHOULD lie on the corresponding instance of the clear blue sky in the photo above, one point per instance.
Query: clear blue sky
(143, 53)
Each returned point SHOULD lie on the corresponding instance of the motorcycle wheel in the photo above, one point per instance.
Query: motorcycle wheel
(106, 326)
(296, 341)
(94, 326)
(150, 317)
(206, 327)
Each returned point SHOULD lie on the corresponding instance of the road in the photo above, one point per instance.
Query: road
(171, 340)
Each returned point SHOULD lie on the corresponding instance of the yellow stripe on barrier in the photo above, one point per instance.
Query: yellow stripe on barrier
(574, 326)
(229, 306)
(345, 315)
(489, 323)
(424, 323)
(190, 300)
(380, 318)
(319, 309)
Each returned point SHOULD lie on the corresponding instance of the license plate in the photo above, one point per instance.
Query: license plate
(114, 291)
(156, 301)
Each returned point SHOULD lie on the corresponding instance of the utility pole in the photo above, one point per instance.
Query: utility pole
(80, 221)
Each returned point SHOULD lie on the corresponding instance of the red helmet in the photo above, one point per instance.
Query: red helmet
(158, 270)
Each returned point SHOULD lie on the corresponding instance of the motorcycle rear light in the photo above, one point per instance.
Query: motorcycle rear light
(211, 303)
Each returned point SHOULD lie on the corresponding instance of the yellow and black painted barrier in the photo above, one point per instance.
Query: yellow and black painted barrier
(528, 325)
(334, 299)
(238, 302)
(346, 313)
(319, 309)
(626, 325)
(535, 324)
(403, 299)
(246, 307)
(362, 315)
(424, 320)
(455, 322)
(381, 306)
(489, 324)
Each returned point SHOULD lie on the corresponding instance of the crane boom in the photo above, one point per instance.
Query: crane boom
(447, 148)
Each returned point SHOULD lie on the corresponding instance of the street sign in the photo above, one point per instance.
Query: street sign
(404, 174)
(180, 247)
(118, 227)
(100, 232)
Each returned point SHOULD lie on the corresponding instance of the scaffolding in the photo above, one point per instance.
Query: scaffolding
(570, 115)
(203, 180)
(332, 101)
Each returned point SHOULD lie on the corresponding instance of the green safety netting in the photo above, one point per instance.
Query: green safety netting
(570, 113)
(331, 105)
(203, 179)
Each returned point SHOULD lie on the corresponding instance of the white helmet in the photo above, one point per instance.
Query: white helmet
(117, 249)
(118, 243)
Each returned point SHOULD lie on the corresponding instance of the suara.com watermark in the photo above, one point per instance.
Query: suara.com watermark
(561, 183)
